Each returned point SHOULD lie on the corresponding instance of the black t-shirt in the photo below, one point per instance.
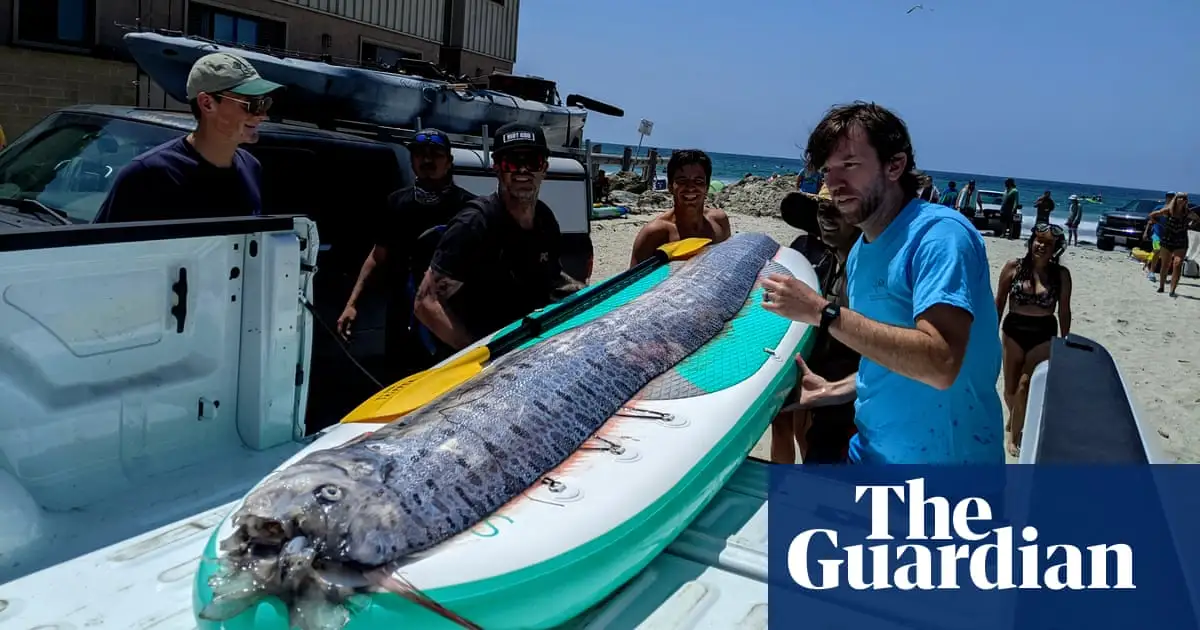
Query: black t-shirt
(830, 358)
(1044, 207)
(506, 271)
(406, 219)
(173, 181)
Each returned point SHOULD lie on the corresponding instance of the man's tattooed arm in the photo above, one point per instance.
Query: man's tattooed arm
(565, 285)
(432, 310)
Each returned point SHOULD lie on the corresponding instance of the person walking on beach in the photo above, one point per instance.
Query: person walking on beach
(1154, 231)
(950, 195)
(1044, 206)
(205, 173)
(928, 192)
(499, 258)
(404, 245)
(1031, 287)
(689, 172)
(1008, 209)
(964, 204)
(1177, 215)
(922, 313)
(1074, 217)
(823, 433)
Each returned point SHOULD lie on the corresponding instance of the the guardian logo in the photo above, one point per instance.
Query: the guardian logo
(986, 560)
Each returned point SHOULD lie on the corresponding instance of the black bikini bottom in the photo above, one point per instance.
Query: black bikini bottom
(1030, 330)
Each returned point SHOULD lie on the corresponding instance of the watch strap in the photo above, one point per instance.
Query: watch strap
(829, 314)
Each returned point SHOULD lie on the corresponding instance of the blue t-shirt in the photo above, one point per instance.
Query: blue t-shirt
(173, 181)
(928, 255)
(1160, 223)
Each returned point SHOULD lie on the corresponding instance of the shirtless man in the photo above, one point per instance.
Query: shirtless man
(689, 173)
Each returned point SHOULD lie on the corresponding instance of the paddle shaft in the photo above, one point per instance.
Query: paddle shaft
(532, 326)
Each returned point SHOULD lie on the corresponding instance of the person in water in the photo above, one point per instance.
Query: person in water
(823, 433)
(1176, 217)
(1074, 217)
(689, 172)
(923, 315)
(1031, 287)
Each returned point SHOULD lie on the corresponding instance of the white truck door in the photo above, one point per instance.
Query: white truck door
(121, 348)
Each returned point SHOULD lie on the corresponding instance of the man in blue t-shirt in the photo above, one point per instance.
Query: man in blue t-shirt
(205, 173)
(922, 311)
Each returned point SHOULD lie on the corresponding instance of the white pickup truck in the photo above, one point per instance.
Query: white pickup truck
(150, 374)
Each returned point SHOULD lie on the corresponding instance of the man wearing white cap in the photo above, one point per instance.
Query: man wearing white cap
(1074, 218)
(205, 173)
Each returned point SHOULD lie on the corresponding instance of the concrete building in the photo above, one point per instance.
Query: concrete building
(63, 52)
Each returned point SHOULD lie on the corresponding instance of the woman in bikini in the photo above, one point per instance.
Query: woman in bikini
(1031, 287)
(1176, 217)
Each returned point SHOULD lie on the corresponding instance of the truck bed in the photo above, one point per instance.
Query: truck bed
(713, 576)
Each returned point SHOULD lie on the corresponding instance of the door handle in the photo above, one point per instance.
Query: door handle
(179, 308)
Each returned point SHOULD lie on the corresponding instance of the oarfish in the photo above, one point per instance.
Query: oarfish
(312, 533)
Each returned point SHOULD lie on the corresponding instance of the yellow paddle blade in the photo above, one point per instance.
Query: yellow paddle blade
(414, 391)
(685, 248)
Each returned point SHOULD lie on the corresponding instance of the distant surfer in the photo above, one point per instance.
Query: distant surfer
(689, 173)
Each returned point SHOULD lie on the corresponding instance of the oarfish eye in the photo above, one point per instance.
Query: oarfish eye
(328, 493)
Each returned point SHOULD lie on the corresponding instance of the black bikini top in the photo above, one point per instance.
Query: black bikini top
(1023, 295)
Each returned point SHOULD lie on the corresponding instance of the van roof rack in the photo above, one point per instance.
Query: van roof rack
(400, 135)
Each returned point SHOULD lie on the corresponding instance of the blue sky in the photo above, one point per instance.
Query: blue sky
(1096, 91)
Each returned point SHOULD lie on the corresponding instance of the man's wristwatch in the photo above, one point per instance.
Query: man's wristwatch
(831, 312)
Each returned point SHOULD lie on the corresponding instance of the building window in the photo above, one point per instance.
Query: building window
(384, 55)
(231, 27)
(499, 2)
(69, 23)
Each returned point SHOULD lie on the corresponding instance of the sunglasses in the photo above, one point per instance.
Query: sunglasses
(1042, 228)
(514, 162)
(256, 106)
(423, 138)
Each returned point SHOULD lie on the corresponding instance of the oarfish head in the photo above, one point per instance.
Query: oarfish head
(339, 504)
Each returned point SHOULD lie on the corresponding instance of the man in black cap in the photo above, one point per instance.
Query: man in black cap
(498, 260)
(404, 242)
(823, 433)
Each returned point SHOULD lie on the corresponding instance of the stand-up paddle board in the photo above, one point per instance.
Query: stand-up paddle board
(592, 522)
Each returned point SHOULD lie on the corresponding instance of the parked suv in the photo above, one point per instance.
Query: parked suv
(1126, 225)
(60, 171)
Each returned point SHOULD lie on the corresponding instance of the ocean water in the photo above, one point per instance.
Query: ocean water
(731, 167)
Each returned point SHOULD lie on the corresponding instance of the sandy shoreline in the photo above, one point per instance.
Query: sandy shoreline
(1151, 336)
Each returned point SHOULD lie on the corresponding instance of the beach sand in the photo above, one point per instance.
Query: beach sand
(1151, 336)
